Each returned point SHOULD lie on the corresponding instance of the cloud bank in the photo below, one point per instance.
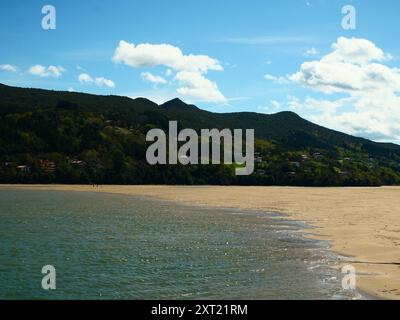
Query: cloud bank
(190, 70)
(99, 81)
(149, 77)
(44, 72)
(8, 68)
(355, 70)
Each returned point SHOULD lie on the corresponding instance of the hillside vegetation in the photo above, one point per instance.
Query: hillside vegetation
(63, 137)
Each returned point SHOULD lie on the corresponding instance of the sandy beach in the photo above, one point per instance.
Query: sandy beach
(362, 224)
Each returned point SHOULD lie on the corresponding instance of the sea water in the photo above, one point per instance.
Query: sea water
(108, 246)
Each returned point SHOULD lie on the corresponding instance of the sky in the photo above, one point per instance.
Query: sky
(224, 56)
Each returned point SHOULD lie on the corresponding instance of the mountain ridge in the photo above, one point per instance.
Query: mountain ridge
(180, 105)
(45, 124)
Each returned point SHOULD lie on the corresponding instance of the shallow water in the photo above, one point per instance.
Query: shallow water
(106, 246)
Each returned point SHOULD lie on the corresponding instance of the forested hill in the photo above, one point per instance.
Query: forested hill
(50, 136)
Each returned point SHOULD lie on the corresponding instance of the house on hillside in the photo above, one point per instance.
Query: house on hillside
(24, 168)
(47, 166)
(317, 156)
(79, 163)
(261, 172)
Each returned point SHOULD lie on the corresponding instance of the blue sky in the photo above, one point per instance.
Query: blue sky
(246, 55)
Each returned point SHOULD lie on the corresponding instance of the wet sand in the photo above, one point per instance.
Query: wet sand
(362, 224)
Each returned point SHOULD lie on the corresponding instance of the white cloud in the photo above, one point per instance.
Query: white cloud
(311, 52)
(44, 72)
(85, 78)
(279, 80)
(149, 77)
(195, 85)
(351, 66)
(151, 55)
(8, 67)
(99, 81)
(355, 69)
(169, 72)
(322, 105)
(356, 51)
(276, 104)
(270, 77)
(190, 69)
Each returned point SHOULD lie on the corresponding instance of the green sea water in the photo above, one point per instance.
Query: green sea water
(106, 246)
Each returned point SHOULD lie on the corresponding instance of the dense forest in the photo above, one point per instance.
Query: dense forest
(63, 137)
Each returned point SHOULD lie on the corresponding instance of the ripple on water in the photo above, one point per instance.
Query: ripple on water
(121, 247)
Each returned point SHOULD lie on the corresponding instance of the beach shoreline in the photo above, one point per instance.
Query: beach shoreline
(362, 224)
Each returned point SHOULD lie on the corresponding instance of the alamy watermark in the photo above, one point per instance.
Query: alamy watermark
(189, 153)
(349, 21)
(49, 280)
(49, 20)
(349, 281)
